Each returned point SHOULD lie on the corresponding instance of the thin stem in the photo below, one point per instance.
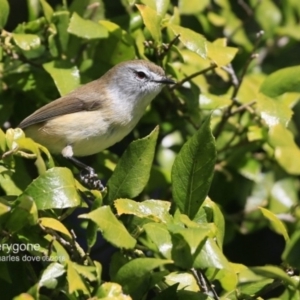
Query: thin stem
(180, 83)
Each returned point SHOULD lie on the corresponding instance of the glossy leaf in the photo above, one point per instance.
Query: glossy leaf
(112, 229)
(86, 28)
(159, 235)
(133, 169)
(56, 188)
(49, 278)
(282, 81)
(65, 76)
(273, 111)
(191, 39)
(193, 170)
(27, 41)
(153, 209)
(55, 225)
(151, 20)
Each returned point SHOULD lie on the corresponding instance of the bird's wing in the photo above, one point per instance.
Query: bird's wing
(71, 103)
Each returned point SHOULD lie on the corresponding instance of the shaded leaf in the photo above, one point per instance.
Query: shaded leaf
(133, 169)
(134, 276)
(275, 273)
(193, 169)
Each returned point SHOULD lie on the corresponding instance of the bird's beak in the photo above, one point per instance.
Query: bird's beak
(165, 80)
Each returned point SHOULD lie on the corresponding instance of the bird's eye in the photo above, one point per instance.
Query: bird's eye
(141, 75)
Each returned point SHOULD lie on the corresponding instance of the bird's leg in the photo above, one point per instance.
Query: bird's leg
(87, 175)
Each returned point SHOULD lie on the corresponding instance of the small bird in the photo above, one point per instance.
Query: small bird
(98, 114)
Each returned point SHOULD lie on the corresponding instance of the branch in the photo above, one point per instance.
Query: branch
(180, 83)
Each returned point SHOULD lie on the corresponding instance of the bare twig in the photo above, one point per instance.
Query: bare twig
(167, 47)
(180, 83)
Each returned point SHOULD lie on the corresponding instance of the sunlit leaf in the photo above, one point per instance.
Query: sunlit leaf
(112, 229)
(86, 28)
(191, 39)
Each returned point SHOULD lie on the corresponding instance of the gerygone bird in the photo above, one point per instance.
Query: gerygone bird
(98, 114)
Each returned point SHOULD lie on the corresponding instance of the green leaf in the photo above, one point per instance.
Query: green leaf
(275, 273)
(287, 152)
(282, 81)
(191, 39)
(192, 7)
(135, 275)
(49, 278)
(65, 75)
(112, 229)
(92, 228)
(193, 169)
(133, 169)
(23, 212)
(151, 20)
(111, 290)
(160, 6)
(155, 210)
(273, 111)
(56, 188)
(47, 9)
(275, 223)
(291, 252)
(27, 41)
(86, 29)
(55, 225)
(75, 282)
(160, 237)
(118, 47)
(187, 244)
(4, 8)
(268, 16)
(219, 53)
(185, 280)
(212, 256)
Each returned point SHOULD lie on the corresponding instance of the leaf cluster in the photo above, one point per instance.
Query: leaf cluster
(223, 161)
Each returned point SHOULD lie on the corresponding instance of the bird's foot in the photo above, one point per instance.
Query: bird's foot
(90, 179)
